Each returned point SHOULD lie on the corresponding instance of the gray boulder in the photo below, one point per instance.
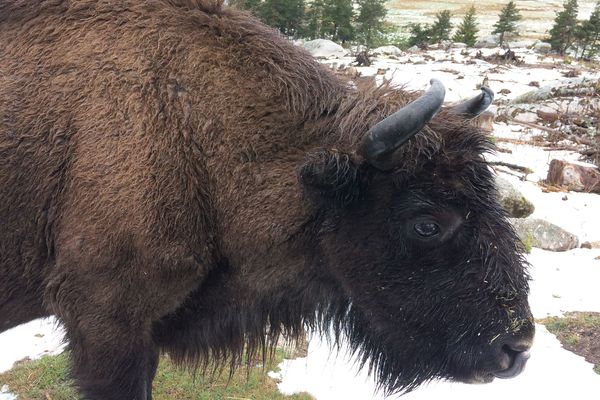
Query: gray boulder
(388, 51)
(488, 42)
(513, 201)
(542, 47)
(414, 50)
(323, 48)
(521, 44)
(539, 233)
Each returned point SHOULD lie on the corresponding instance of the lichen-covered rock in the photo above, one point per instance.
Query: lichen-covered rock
(539, 233)
(513, 201)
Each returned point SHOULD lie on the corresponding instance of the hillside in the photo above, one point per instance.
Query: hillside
(537, 15)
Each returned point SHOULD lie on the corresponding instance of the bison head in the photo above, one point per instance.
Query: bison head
(433, 276)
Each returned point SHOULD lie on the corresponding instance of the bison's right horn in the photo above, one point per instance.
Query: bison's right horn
(388, 135)
(475, 106)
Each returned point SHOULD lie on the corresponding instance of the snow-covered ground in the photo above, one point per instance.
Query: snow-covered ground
(561, 281)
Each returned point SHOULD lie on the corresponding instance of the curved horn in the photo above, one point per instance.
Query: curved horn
(387, 135)
(475, 106)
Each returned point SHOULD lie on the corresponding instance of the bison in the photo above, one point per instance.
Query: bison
(176, 177)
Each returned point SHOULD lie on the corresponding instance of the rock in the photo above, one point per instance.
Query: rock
(522, 44)
(542, 47)
(459, 45)
(323, 48)
(444, 45)
(576, 177)
(388, 51)
(488, 42)
(485, 120)
(586, 245)
(413, 50)
(539, 233)
(513, 201)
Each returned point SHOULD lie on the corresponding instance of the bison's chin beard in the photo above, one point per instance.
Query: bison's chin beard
(398, 364)
(401, 361)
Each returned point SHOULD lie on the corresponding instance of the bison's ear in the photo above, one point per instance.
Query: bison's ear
(331, 177)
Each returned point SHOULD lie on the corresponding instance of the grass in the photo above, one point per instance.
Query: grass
(578, 332)
(47, 378)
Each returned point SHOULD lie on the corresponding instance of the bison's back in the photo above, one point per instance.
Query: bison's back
(138, 130)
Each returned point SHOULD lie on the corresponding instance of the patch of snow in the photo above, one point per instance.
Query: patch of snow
(31, 340)
(5, 393)
(551, 373)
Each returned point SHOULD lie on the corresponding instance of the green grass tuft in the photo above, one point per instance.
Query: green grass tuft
(47, 378)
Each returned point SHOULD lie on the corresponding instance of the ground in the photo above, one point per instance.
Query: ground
(47, 378)
(578, 332)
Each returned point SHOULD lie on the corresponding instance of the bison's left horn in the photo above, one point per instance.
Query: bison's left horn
(387, 135)
(475, 106)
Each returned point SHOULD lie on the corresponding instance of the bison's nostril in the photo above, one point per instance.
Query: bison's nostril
(517, 356)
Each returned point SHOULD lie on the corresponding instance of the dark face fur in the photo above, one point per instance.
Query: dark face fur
(433, 272)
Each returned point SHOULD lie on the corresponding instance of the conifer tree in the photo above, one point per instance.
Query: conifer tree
(420, 35)
(250, 5)
(441, 28)
(562, 34)
(370, 20)
(337, 19)
(314, 19)
(467, 30)
(588, 34)
(507, 21)
(285, 15)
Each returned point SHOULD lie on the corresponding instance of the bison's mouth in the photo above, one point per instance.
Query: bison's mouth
(518, 361)
(510, 364)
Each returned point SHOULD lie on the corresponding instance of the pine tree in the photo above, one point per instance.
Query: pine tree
(440, 30)
(285, 15)
(337, 19)
(370, 20)
(420, 35)
(314, 20)
(250, 5)
(507, 21)
(588, 34)
(562, 34)
(467, 30)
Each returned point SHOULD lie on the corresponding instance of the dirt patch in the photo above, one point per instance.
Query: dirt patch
(578, 332)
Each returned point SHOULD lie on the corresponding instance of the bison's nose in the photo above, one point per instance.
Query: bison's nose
(514, 357)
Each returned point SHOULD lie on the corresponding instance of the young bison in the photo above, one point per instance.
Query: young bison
(176, 177)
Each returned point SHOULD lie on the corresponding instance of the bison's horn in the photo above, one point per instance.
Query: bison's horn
(387, 135)
(475, 106)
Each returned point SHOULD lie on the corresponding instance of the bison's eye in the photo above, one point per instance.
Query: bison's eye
(427, 229)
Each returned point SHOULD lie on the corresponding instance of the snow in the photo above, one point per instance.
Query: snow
(31, 340)
(561, 281)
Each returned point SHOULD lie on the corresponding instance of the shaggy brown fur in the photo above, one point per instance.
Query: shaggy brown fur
(150, 155)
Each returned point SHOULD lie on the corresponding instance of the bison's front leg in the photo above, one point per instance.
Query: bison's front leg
(108, 307)
(115, 365)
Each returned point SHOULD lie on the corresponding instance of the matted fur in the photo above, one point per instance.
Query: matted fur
(175, 176)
